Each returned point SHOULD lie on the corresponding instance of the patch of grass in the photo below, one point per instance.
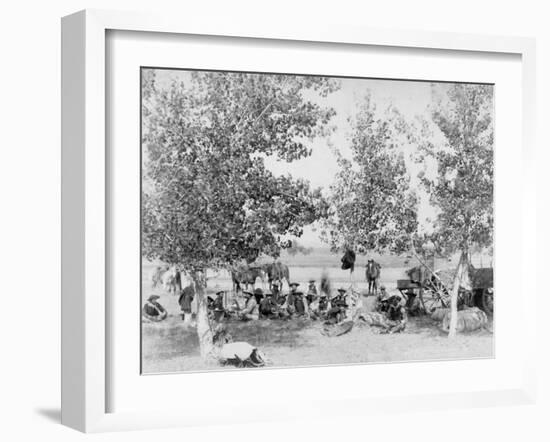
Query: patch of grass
(300, 343)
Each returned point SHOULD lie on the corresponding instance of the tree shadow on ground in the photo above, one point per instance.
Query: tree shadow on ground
(269, 332)
(161, 342)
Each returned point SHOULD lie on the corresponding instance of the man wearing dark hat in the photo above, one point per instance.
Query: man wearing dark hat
(396, 314)
(268, 308)
(153, 311)
(338, 306)
(218, 307)
(258, 295)
(250, 310)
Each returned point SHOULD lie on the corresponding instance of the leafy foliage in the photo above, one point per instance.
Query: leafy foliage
(210, 201)
(297, 248)
(372, 207)
(462, 188)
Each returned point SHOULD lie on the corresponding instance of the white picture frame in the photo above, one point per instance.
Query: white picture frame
(85, 350)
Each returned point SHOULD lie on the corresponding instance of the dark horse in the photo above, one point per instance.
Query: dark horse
(372, 273)
(277, 272)
(246, 276)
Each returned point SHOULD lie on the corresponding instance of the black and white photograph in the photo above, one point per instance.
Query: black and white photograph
(306, 220)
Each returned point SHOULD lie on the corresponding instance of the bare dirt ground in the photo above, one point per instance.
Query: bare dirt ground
(172, 346)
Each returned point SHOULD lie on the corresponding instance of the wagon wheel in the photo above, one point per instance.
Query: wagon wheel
(433, 300)
(434, 297)
(487, 301)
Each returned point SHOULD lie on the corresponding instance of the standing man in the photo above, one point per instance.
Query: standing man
(218, 307)
(185, 301)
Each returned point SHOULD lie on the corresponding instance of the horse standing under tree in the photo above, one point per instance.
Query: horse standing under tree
(246, 276)
(171, 280)
(277, 272)
(372, 274)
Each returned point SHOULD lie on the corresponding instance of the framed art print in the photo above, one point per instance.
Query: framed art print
(290, 208)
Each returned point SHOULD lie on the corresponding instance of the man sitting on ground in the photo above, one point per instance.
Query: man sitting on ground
(300, 305)
(258, 295)
(250, 310)
(323, 304)
(311, 291)
(396, 314)
(315, 311)
(382, 300)
(291, 299)
(268, 307)
(338, 307)
(153, 311)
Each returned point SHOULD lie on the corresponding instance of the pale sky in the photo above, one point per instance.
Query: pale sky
(411, 98)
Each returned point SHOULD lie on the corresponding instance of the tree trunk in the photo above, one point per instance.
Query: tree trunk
(204, 329)
(460, 275)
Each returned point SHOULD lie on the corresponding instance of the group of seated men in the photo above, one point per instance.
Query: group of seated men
(275, 304)
(272, 304)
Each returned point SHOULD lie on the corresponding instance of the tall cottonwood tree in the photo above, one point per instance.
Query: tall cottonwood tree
(462, 188)
(210, 201)
(372, 207)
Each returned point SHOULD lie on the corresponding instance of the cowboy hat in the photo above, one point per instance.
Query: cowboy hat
(153, 297)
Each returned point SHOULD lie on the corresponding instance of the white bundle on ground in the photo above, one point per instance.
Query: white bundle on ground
(375, 319)
(241, 354)
(439, 313)
(337, 329)
(467, 320)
